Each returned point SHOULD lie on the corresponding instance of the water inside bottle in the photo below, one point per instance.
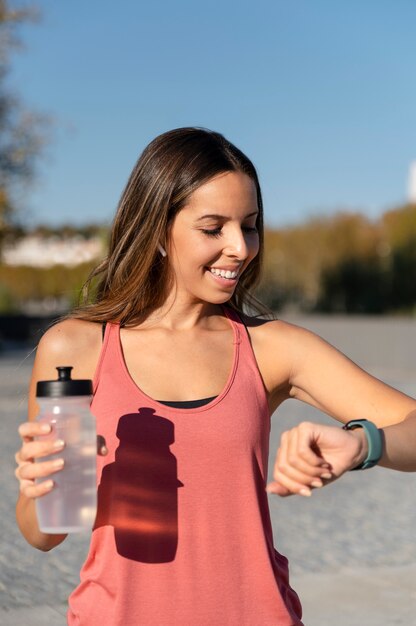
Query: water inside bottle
(71, 505)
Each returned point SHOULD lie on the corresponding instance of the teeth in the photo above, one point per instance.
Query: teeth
(223, 273)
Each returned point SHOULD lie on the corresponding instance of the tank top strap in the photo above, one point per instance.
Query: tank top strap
(243, 338)
(109, 346)
(241, 335)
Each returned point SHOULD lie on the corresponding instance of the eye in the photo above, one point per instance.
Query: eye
(249, 229)
(214, 232)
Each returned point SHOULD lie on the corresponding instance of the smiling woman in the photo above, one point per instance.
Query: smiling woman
(215, 247)
(177, 169)
(185, 382)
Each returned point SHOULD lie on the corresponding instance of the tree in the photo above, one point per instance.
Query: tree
(355, 285)
(299, 257)
(22, 132)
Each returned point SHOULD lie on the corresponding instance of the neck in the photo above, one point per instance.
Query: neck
(176, 315)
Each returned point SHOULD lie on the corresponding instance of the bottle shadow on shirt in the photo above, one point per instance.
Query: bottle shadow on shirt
(138, 493)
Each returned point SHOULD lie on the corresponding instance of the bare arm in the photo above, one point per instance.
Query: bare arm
(325, 378)
(320, 375)
(400, 445)
(70, 343)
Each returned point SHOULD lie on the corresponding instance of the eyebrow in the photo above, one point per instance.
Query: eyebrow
(222, 217)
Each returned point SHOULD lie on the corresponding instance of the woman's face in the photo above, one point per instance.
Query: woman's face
(214, 238)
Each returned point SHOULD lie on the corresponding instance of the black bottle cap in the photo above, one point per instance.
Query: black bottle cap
(63, 386)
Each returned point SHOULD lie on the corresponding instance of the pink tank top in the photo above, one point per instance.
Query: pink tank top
(183, 535)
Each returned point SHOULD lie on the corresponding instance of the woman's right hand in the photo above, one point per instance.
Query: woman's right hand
(33, 450)
(28, 470)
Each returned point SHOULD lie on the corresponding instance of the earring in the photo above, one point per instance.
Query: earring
(161, 250)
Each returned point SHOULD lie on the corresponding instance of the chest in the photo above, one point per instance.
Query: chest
(178, 366)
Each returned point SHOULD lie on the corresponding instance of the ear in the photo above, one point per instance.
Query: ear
(161, 250)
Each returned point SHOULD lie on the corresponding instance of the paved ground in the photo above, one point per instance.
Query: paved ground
(352, 546)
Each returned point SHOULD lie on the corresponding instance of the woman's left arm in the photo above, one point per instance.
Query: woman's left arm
(400, 445)
(325, 378)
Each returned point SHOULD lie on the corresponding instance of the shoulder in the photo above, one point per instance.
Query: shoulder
(289, 341)
(72, 342)
(71, 334)
(278, 333)
(280, 349)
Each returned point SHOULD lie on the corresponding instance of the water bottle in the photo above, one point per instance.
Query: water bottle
(71, 505)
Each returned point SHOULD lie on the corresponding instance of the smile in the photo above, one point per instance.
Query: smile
(230, 274)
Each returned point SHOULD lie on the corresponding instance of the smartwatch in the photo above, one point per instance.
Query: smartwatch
(374, 440)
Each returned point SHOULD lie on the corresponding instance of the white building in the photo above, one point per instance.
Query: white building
(37, 251)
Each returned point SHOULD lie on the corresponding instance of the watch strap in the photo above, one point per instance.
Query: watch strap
(374, 440)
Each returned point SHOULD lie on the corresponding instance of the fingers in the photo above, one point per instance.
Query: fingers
(36, 490)
(28, 472)
(299, 468)
(38, 449)
(36, 445)
(33, 471)
(102, 449)
(28, 430)
(28, 475)
(277, 489)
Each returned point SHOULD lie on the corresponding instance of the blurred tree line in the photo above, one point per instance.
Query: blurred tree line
(56, 288)
(343, 264)
(26, 288)
(339, 264)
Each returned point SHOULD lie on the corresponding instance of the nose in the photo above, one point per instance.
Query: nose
(236, 244)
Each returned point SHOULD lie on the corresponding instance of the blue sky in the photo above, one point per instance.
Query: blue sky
(320, 94)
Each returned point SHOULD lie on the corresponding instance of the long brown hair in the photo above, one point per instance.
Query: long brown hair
(134, 279)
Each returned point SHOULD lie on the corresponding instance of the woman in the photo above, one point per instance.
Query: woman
(185, 384)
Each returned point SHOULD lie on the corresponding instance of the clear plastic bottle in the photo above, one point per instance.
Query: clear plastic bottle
(71, 505)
